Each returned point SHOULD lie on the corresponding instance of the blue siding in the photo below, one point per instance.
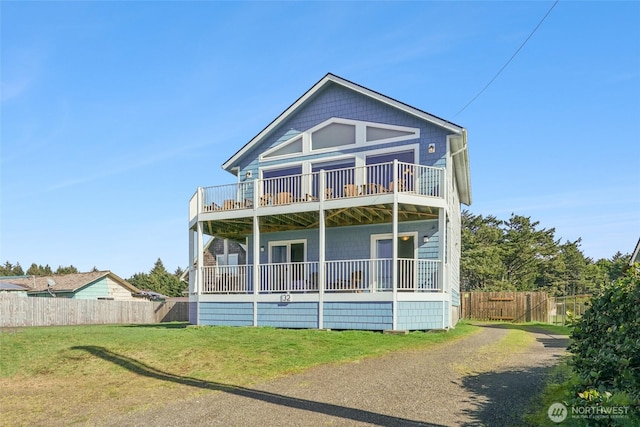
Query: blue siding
(419, 315)
(226, 313)
(351, 242)
(376, 316)
(289, 315)
(455, 298)
(95, 290)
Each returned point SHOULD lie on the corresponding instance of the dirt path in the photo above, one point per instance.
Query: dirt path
(421, 388)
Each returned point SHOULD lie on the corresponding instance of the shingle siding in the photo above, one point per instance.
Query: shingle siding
(230, 314)
(376, 316)
(289, 315)
(419, 315)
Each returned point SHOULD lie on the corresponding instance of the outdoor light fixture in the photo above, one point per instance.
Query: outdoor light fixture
(425, 239)
(432, 148)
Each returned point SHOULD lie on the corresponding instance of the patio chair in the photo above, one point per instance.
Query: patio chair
(228, 204)
(401, 186)
(266, 199)
(356, 281)
(284, 198)
(350, 190)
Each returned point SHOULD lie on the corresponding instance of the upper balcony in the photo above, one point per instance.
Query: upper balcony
(369, 190)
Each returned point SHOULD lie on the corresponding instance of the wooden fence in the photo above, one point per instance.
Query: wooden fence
(509, 306)
(32, 311)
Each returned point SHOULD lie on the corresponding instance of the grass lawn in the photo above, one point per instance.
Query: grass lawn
(79, 374)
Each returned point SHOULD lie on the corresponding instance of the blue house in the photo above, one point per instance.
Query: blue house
(349, 206)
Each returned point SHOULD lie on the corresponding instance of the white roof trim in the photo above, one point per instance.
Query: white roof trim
(355, 87)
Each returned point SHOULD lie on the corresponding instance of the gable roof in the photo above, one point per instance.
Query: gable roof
(635, 257)
(328, 79)
(459, 146)
(69, 282)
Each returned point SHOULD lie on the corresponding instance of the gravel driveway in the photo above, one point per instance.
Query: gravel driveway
(416, 388)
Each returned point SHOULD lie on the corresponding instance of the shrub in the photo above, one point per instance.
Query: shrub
(606, 347)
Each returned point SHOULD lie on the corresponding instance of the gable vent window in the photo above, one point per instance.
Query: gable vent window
(292, 147)
(333, 135)
(376, 133)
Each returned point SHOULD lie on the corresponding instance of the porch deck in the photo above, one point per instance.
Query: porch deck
(356, 276)
(346, 183)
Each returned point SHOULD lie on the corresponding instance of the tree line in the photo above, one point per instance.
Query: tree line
(518, 255)
(9, 269)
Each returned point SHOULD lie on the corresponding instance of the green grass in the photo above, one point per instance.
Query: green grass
(99, 368)
(487, 357)
(557, 390)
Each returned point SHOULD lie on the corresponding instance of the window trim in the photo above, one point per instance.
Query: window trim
(361, 138)
(288, 244)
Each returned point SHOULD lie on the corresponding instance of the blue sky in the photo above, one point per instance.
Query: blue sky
(113, 113)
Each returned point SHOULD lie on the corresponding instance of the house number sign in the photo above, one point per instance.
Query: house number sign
(285, 298)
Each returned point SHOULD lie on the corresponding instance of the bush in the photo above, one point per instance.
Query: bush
(606, 347)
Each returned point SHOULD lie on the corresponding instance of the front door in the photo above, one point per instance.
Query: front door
(382, 252)
(287, 264)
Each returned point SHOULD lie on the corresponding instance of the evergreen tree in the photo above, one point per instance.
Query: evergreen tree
(158, 280)
(67, 270)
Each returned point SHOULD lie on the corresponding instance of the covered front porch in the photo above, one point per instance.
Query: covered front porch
(355, 276)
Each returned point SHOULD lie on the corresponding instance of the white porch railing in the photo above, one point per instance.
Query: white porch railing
(363, 275)
(289, 277)
(339, 183)
(227, 279)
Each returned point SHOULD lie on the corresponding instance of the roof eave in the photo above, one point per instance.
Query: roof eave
(461, 166)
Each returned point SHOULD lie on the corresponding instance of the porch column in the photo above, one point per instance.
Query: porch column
(321, 249)
(394, 239)
(442, 248)
(199, 272)
(256, 257)
(191, 270)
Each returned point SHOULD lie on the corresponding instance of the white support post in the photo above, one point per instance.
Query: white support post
(256, 258)
(321, 249)
(394, 238)
(192, 271)
(442, 247)
(199, 272)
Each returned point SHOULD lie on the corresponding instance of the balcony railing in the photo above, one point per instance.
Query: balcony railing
(363, 275)
(331, 184)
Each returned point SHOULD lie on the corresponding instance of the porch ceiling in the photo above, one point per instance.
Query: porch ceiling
(238, 228)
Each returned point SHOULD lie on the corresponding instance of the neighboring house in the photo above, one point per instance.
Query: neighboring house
(349, 207)
(93, 285)
(222, 252)
(9, 288)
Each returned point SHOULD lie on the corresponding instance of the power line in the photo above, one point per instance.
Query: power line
(510, 59)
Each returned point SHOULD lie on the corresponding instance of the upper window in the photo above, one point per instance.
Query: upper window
(333, 135)
(337, 132)
(375, 133)
(293, 147)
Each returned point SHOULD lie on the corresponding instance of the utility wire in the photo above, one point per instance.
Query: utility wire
(510, 59)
